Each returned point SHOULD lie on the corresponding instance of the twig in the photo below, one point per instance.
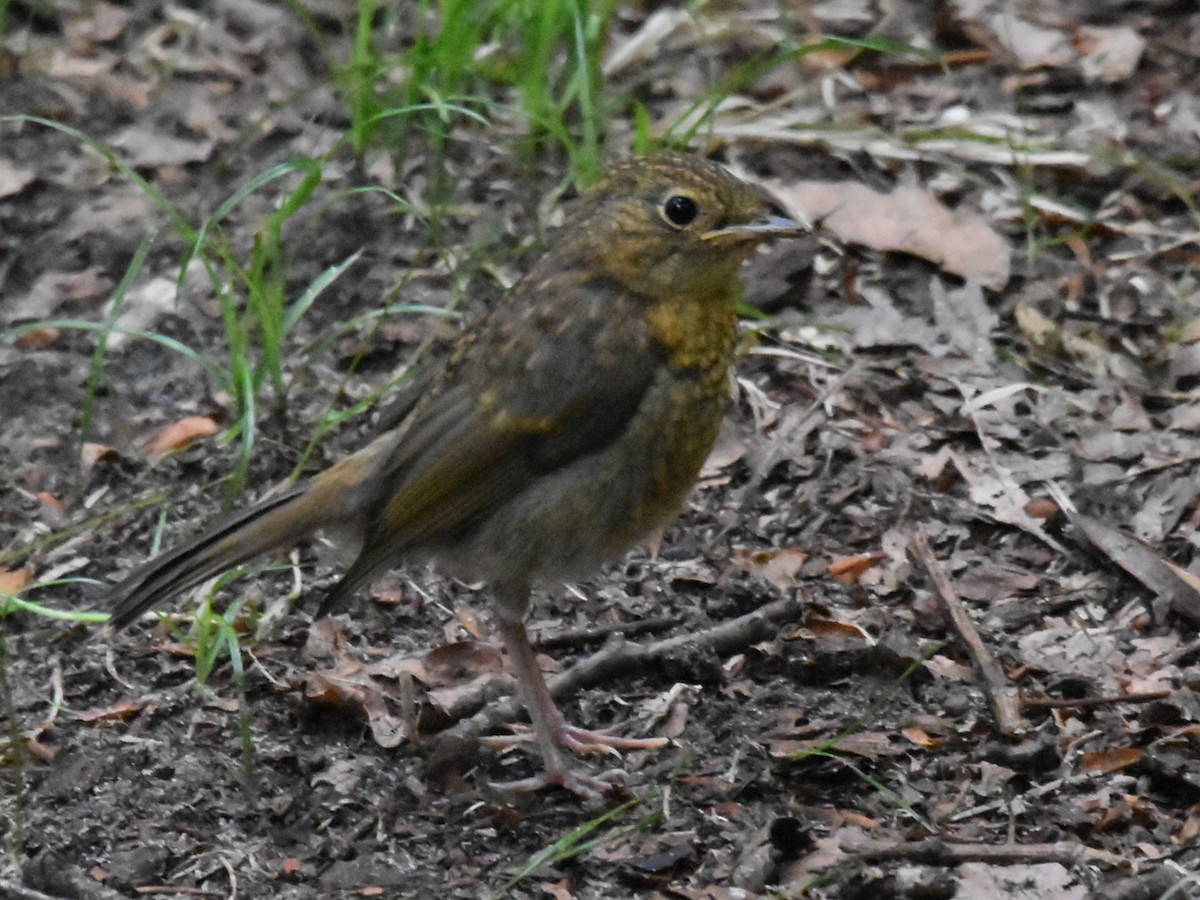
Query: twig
(935, 851)
(10, 891)
(621, 659)
(1089, 702)
(603, 632)
(1004, 696)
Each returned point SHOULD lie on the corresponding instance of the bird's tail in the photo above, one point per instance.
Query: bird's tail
(276, 522)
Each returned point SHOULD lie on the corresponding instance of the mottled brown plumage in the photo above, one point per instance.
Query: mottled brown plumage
(569, 422)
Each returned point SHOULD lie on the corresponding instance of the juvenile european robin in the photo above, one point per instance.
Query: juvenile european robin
(569, 422)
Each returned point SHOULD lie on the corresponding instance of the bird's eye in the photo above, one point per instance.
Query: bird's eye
(680, 210)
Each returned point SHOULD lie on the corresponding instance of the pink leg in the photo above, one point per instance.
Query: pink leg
(550, 730)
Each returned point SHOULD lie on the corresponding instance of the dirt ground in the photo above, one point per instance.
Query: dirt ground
(928, 627)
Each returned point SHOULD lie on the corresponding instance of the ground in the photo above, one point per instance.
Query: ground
(928, 626)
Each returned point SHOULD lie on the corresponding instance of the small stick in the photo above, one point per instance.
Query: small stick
(602, 632)
(935, 851)
(1004, 696)
(621, 659)
(1089, 702)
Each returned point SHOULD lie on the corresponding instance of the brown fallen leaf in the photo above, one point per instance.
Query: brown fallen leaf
(289, 866)
(908, 220)
(90, 454)
(1101, 762)
(848, 569)
(350, 687)
(13, 581)
(38, 339)
(387, 729)
(922, 738)
(1042, 508)
(819, 626)
(122, 712)
(462, 660)
(179, 435)
(50, 501)
(779, 567)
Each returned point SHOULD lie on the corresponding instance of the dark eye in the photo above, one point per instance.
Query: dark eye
(680, 210)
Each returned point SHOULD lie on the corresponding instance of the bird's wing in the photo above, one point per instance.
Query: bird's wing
(554, 374)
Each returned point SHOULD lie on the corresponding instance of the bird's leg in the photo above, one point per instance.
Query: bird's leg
(550, 730)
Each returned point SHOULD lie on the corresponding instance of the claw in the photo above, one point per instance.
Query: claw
(581, 741)
(583, 786)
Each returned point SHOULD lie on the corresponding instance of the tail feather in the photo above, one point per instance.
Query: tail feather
(277, 522)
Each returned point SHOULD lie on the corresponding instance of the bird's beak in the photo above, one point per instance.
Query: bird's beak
(760, 229)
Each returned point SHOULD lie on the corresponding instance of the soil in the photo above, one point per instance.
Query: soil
(927, 628)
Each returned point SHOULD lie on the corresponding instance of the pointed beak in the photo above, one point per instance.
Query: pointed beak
(760, 229)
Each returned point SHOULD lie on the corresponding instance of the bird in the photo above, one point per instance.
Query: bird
(568, 422)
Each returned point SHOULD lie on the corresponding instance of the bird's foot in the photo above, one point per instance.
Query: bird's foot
(585, 787)
(580, 741)
(583, 741)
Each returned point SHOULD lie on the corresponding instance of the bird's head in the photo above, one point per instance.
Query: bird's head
(673, 223)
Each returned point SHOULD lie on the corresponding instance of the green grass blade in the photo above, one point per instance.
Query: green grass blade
(326, 278)
(11, 603)
(246, 431)
(571, 844)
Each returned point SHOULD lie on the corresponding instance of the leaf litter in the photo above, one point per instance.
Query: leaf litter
(1027, 335)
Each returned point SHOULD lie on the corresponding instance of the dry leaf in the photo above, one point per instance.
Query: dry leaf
(14, 178)
(387, 729)
(858, 819)
(819, 626)
(122, 712)
(944, 667)
(965, 319)
(104, 23)
(777, 566)
(1138, 560)
(1042, 508)
(179, 435)
(49, 500)
(848, 569)
(1042, 881)
(144, 146)
(908, 220)
(13, 581)
(1109, 54)
(1039, 330)
(1032, 45)
(922, 738)
(646, 43)
(558, 890)
(38, 339)
(462, 660)
(289, 866)
(1000, 494)
(1101, 762)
